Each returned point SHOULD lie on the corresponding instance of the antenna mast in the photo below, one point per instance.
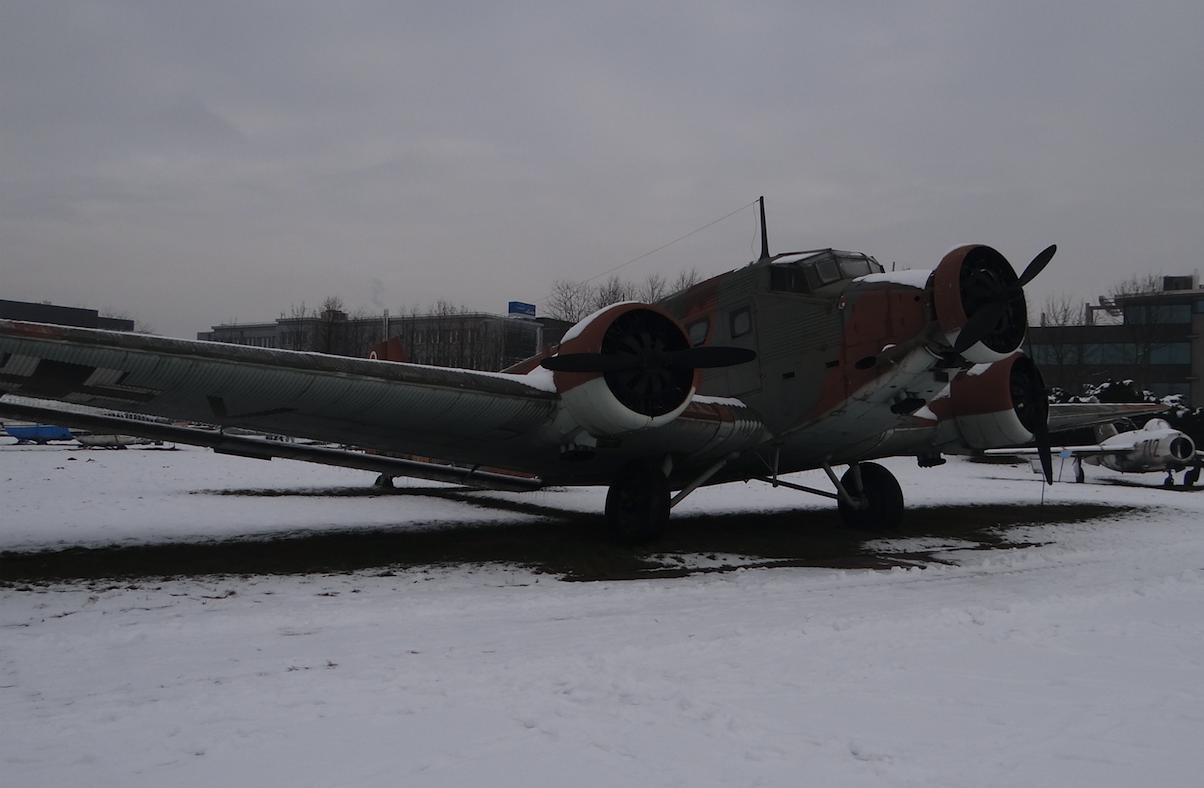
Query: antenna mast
(764, 231)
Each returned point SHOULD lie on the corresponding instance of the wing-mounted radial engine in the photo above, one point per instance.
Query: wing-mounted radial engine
(630, 367)
(1003, 404)
(980, 304)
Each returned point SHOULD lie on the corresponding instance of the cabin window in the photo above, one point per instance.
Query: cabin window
(741, 322)
(854, 268)
(788, 279)
(698, 331)
(827, 270)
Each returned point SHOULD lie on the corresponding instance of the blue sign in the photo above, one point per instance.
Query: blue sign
(519, 309)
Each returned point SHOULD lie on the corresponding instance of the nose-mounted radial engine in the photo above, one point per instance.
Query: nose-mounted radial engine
(980, 302)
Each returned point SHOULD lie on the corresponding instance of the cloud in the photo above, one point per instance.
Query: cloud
(188, 163)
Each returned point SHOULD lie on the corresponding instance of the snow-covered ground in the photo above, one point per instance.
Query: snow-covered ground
(1076, 662)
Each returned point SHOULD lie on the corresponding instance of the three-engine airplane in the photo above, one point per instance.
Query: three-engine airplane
(796, 361)
(1155, 448)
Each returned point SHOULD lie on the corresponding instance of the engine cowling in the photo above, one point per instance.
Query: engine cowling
(611, 403)
(1004, 404)
(971, 278)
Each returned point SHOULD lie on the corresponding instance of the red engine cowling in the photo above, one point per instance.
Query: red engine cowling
(1001, 406)
(637, 398)
(969, 279)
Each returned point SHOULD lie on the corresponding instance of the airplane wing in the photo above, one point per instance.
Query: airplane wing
(1089, 450)
(1075, 415)
(512, 423)
(414, 409)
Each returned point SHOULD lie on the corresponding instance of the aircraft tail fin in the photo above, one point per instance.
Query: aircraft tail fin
(389, 350)
(1104, 431)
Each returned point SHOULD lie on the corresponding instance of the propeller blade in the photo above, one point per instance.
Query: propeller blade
(711, 357)
(593, 362)
(690, 358)
(1045, 453)
(1037, 265)
(979, 325)
(1041, 430)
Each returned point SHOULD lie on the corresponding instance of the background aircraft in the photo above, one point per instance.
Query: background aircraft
(1155, 448)
(796, 361)
(40, 434)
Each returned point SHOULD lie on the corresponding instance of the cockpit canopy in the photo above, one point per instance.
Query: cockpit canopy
(807, 272)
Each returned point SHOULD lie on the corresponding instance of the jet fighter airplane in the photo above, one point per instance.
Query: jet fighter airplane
(796, 361)
(1155, 448)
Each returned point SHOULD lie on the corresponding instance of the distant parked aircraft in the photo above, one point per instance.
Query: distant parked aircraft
(1154, 448)
(40, 434)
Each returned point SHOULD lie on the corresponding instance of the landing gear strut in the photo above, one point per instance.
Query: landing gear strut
(877, 498)
(637, 505)
(868, 496)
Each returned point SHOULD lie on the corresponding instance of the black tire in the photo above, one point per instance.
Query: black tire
(637, 505)
(1079, 475)
(885, 497)
(1191, 477)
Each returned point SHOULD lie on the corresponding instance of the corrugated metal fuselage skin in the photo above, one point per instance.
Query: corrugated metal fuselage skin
(829, 364)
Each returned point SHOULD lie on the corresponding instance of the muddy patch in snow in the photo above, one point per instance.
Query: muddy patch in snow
(573, 545)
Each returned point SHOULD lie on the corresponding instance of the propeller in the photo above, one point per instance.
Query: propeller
(1031, 400)
(689, 358)
(647, 361)
(995, 298)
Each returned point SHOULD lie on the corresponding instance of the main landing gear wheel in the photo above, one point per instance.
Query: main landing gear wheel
(637, 505)
(883, 498)
(1191, 477)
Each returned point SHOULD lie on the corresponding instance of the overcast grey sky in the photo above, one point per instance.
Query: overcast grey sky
(192, 163)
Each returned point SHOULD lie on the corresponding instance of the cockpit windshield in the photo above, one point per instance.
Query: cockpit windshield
(807, 272)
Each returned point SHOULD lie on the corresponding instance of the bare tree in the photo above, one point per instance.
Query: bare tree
(1143, 322)
(362, 330)
(570, 300)
(296, 334)
(1060, 310)
(329, 325)
(684, 280)
(1058, 349)
(652, 289)
(1137, 284)
(612, 291)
